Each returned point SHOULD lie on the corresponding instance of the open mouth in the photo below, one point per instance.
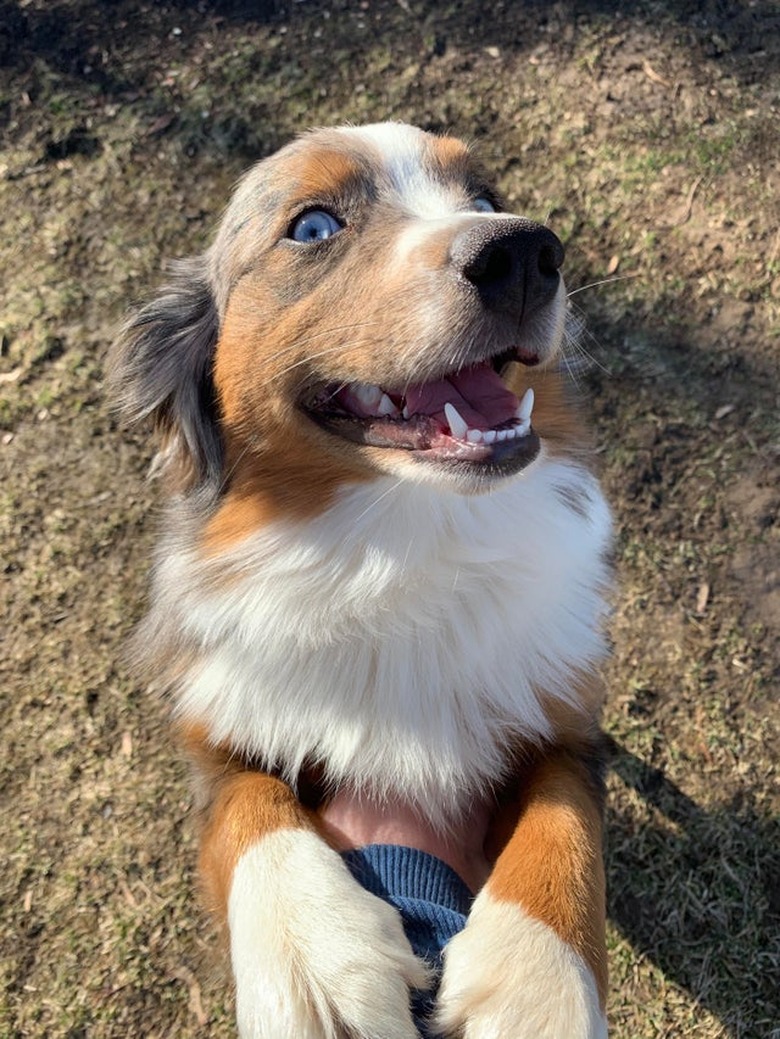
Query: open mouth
(469, 416)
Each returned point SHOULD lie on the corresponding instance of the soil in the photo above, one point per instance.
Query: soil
(647, 135)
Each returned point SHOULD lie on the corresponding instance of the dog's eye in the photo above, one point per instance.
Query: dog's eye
(482, 204)
(314, 226)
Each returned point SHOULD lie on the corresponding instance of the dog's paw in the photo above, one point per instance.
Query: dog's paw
(509, 976)
(315, 956)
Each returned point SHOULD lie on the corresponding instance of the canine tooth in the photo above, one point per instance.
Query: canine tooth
(526, 406)
(368, 395)
(405, 412)
(489, 436)
(521, 428)
(386, 406)
(458, 427)
(474, 436)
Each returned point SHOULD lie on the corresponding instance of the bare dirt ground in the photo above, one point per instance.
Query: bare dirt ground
(647, 134)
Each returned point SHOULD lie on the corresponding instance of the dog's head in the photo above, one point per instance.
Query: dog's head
(359, 312)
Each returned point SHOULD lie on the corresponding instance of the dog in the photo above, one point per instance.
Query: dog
(384, 569)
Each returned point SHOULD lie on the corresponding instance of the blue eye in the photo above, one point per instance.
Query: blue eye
(483, 205)
(314, 226)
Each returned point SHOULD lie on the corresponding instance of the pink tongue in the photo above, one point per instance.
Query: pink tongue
(480, 397)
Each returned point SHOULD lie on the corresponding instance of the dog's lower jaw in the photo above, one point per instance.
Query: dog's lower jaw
(420, 422)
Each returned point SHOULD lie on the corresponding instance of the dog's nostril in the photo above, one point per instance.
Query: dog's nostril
(489, 266)
(550, 258)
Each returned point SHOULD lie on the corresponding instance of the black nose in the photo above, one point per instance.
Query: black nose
(513, 263)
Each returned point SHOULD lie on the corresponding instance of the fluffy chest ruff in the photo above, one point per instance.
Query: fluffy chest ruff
(403, 641)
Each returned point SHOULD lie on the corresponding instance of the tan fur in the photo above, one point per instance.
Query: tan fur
(242, 807)
(326, 173)
(551, 864)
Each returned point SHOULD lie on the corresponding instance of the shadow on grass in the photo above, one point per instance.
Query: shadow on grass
(72, 36)
(697, 893)
(253, 96)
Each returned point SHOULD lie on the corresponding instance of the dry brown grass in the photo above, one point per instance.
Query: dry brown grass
(649, 137)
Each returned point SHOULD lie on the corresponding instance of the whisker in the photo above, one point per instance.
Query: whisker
(573, 337)
(322, 353)
(376, 501)
(300, 343)
(604, 281)
(571, 371)
(226, 476)
(407, 553)
(593, 359)
(337, 390)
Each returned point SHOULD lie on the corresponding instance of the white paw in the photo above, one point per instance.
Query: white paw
(509, 976)
(314, 955)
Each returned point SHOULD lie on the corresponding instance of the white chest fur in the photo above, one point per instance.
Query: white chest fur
(404, 636)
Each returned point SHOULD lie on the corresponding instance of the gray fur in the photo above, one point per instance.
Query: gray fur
(161, 368)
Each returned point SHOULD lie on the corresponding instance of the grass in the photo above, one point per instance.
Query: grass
(103, 936)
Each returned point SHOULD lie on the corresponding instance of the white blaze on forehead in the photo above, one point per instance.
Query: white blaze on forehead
(436, 204)
(403, 151)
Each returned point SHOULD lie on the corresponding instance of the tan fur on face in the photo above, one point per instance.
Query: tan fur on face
(328, 173)
(452, 155)
(275, 459)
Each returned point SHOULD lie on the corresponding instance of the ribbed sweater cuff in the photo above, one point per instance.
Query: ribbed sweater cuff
(395, 872)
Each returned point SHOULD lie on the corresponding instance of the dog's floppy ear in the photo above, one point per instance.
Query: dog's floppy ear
(161, 368)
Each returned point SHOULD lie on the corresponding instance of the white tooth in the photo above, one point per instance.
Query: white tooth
(369, 396)
(458, 427)
(510, 434)
(489, 436)
(521, 428)
(474, 436)
(405, 412)
(502, 434)
(526, 406)
(386, 406)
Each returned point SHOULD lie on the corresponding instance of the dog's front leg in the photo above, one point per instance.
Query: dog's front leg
(531, 961)
(314, 955)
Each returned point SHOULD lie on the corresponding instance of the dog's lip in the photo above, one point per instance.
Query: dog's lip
(433, 446)
(425, 418)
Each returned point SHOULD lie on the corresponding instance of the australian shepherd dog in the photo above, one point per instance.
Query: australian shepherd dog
(383, 575)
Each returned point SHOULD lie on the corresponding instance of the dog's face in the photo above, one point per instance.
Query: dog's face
(373, 297)
(368, 300)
